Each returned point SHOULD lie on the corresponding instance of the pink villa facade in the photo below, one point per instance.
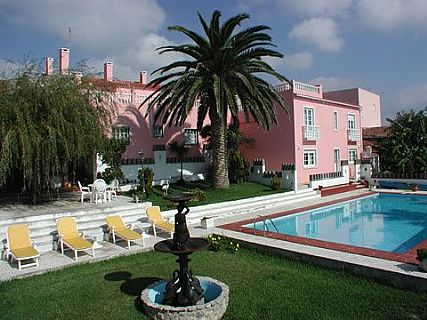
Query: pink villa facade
(138, 131)
(320, 131)
(316, 135)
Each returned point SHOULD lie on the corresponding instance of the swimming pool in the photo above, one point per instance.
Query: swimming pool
(387, 222)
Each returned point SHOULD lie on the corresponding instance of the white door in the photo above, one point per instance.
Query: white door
(337, 164)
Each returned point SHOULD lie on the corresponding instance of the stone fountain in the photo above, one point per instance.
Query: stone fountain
(184, 296)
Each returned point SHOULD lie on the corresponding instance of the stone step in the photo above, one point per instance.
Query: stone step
(92, 221)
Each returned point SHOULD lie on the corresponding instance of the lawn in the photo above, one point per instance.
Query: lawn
(261, 287)
(235, 192)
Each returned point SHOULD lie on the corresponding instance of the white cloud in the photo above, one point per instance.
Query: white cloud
(316, 8)
(321, 32)
(388, 15)
(127, 30)
(412, 97)
(330, 83)
(296, 61)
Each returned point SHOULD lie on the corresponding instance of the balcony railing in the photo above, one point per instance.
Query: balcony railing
(311, 133)
(301, 87)
(353, 134)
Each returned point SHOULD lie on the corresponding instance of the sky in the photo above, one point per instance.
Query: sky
(379, 45)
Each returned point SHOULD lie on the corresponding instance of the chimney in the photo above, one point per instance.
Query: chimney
(48, 66)
(108, 71)
(143, 77)
(64, 60)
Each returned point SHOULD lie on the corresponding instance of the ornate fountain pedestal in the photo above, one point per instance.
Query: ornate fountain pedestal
(184, 296)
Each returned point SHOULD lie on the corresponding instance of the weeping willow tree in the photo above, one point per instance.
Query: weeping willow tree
(46, 123)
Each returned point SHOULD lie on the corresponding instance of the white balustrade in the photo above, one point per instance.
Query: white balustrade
(311, 133)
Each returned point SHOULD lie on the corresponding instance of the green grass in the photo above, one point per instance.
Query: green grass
(261, 287)
(235, 192)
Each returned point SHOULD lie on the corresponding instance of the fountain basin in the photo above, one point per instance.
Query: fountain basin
(213, 307)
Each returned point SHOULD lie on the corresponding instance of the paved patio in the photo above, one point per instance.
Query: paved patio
(400, 274)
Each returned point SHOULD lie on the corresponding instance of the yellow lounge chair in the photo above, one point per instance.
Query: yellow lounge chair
(116, 227)
(68, 235)
(154, 215)
(19, 245)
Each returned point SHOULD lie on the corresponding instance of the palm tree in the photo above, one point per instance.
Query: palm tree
(219, 79)
(180, 149)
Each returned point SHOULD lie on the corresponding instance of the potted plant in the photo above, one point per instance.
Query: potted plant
(422, 258)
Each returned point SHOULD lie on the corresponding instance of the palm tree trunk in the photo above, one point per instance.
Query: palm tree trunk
(219, 150)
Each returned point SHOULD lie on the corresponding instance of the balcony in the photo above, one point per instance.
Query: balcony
(311, 133)
(353, 135)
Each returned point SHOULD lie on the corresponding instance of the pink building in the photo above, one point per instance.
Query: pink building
(317, 134)
(320, 130)
(369, 102)
(138, 131)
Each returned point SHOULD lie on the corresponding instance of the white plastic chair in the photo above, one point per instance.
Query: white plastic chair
(114, 187)
(85, 191)
(100, 190)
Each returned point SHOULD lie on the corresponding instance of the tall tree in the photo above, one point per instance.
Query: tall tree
(46, 123)
(405, 150)
(220, 77)
(180, 149)
(238, 166)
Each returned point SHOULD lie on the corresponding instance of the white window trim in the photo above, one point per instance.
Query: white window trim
(335, 114)
(355, 158)
(314, 116)
(355, 124)
(309, 166)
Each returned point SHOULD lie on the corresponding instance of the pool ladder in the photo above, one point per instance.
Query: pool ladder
(264, 223)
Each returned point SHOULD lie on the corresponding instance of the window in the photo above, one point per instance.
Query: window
(308, 116)
(121, 133)
(190, 136)
(351, 121)
(310, 158)
(337, 160)
(335, 120)
(157, 131)
(352, 155)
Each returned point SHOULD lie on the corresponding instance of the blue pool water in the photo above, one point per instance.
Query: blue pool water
(388, 222)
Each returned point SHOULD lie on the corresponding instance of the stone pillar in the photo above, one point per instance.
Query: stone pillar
(289, 177)
(345, 170)
(357, 173)
(365, 169)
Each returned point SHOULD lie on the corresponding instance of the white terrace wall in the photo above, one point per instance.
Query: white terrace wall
(329, 182)
(288, 175)
(165, 171)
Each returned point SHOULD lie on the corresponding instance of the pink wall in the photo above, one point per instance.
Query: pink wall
(275, 146)
(128, 114)
(329, 138)
(368, 101)
(285, 143)
(371, 108)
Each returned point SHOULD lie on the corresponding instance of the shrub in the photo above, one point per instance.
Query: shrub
(276, 183)
(217, 243)
(148, 180)
(199, 195)
(421, 254)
